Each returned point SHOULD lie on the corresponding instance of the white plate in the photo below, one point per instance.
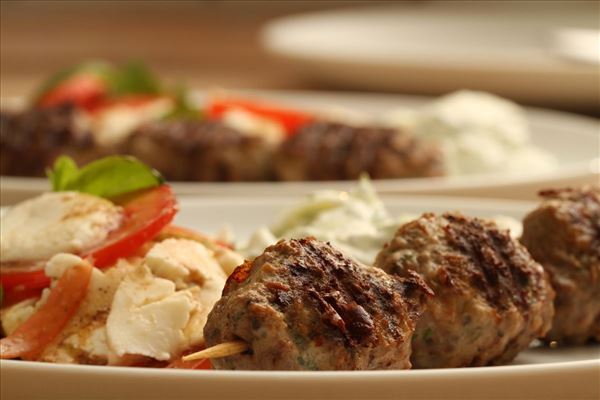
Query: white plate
(574, 139)
(544, 53)
(538, 373)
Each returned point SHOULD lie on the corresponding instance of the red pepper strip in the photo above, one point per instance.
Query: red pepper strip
(30, 339)
(290, 119)
(83, 90)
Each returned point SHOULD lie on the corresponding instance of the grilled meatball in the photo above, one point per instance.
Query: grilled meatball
(334, 151)
(563, 234)
(491, 298)
(32, 139)
(200, 151)
(302, 305)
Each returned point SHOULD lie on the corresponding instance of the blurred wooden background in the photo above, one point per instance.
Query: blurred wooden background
(203, 43)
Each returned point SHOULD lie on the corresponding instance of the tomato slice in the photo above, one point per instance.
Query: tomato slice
(290, 119)
(25, 280)
(83, 90)
(145, 214)
(30, 338)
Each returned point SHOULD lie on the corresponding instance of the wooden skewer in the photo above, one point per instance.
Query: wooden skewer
(219, 350)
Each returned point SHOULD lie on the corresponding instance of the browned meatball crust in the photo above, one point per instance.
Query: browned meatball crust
(30, 140)
(302, 305)
(334, 151)
(491, 299)
(563, 234)
(200, 151)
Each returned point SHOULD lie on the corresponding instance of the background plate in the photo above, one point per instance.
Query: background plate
(532, 52)
(538, 373)
(573, 139)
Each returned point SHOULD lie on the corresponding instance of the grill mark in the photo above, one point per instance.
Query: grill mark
(495, 266)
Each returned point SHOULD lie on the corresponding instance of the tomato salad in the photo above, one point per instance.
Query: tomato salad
(105, 278)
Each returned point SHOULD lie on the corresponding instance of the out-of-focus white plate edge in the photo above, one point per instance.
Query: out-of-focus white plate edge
(561, 80)
(544, 379)
(272, 40)
(516, 186)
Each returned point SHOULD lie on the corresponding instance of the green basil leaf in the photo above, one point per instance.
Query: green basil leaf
(65, 170)
(108, 177)
(133, 78)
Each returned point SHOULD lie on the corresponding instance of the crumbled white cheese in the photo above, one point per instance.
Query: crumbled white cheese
(57, 222)
(112, 125)
(228, 259)
(155, 307)
(254, 125)
(61, 262)
(184, 261)
(84, 337)
(148, 316)
(12, 317)
(190, 265)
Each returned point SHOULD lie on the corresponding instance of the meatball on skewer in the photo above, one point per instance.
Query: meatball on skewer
(331, 151)
(302, 305)
(491, 299)
(563, 234)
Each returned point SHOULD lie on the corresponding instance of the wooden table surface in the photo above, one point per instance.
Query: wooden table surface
(203, 44)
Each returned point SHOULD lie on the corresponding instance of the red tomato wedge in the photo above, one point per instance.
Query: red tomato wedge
(83, 90)
(290, 119)
(21, 293)
(23, 281)
(31, 338)
(146, 213)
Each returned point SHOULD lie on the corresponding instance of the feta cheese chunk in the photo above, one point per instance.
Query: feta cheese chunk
(148, 317)
(184, 261)
(57, 265)
(12, 317)
(254, 125)
(113, 125)
(57, 222)
(190, 265)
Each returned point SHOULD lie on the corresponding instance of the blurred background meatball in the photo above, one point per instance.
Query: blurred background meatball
(331, 151)
(200, 150)
(31, 140)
